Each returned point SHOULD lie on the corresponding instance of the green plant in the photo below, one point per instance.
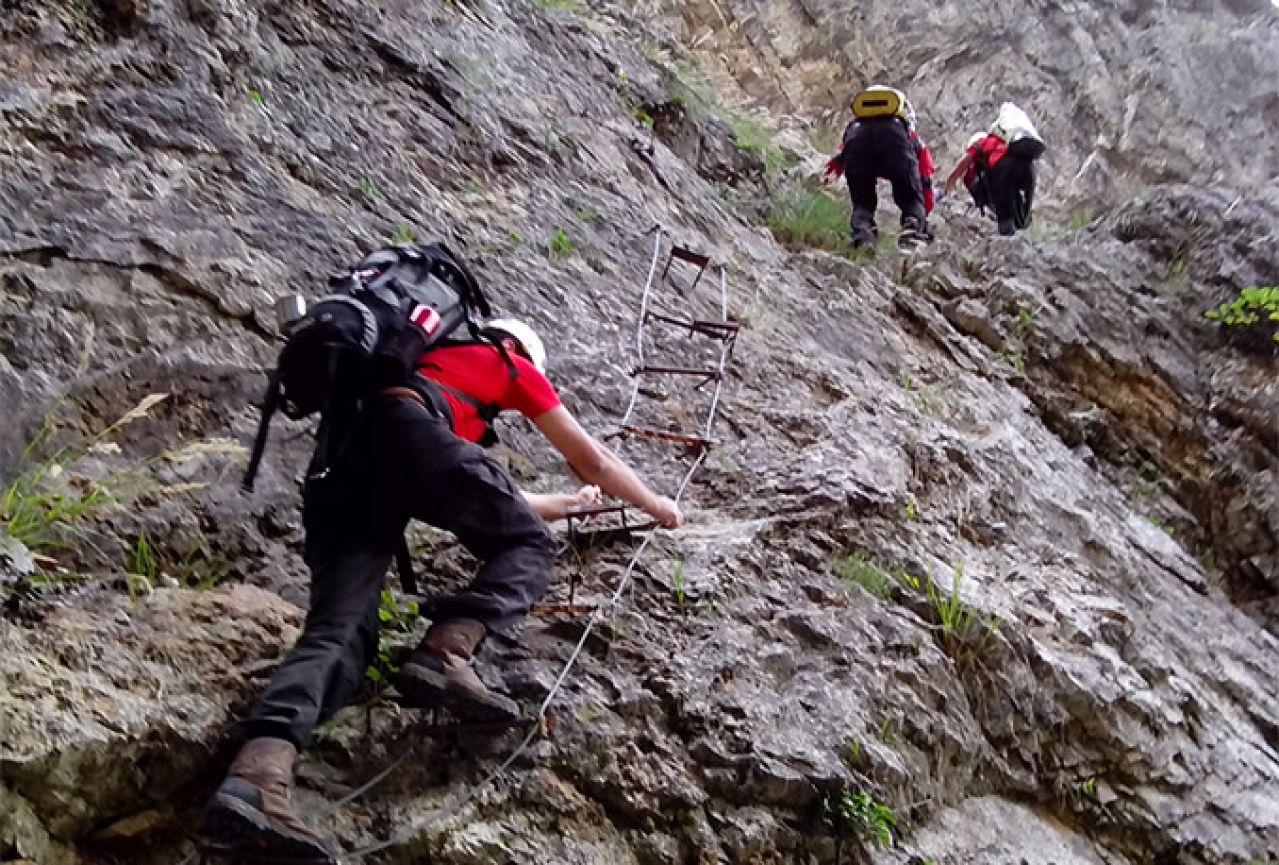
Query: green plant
(1016, 360)
(644, 118)
(861, 816)
(368, 189)
(1254, 306)
(38, 508)
(256, 96)
(1088, 788)
(143, 561)
(393, 619)
(912, 512)
(515, 237)
(559, 245)
(678, 584)
(805, 217)
(201, 568)
(957, 621)
(404, 234)
(859, 569)
(564, 5)
(1081, 219)
(853, 752)
(753, 137)
(1161, 524)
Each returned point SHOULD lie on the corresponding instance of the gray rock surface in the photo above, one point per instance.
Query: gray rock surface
(1045, 425)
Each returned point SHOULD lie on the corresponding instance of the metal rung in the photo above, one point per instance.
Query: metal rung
(691, 257)
(682, 438)
(716, 329)
(708, 374)
(570, 609)
(580, 539)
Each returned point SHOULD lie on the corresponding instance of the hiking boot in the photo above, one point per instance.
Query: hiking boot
(251, 813)
(914, 234)
(862, 239)
(439, 673)
(1007, 228)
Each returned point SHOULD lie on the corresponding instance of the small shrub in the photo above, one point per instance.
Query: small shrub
(404, 234)
(959, 623)
(393, 619)
(859, 569)
(679, 585)
(805, 217)
(1255, 308)
(753, 137)
(559, 245)
(645, 119)
(40, 513)
(859, 815)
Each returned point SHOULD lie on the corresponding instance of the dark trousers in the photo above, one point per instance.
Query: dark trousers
(1011, 185)
(401, 463)
(877, 148)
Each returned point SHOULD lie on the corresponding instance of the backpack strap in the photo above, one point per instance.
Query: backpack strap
(269, 405)
(487, 411)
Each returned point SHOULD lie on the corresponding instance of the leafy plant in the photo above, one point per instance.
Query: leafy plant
(860, 815)
(853, 752)
(960, 625)
(559, 245)
(368, 188)
(644, 118)
(912, 512)
(1088, 788)
(754, 138)
(805, 217)
(679, 585)
(143, 561)
(40, 511)
(1257, 306)
(858, 568)
(393, 619)
(256, 96)
(404, 234)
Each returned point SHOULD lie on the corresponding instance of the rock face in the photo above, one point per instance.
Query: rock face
(1050, 486)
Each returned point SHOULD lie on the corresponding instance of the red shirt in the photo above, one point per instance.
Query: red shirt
(988, 151)
(480, 372)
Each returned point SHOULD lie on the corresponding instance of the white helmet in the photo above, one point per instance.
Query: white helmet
(528, 339)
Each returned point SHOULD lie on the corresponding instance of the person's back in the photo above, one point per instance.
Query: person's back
(881, 142)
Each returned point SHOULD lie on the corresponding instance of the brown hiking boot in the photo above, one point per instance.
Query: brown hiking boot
(439, 673)
(251, 814)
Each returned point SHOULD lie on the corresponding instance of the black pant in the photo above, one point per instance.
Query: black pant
(1011, 184)
(401, 463)
(877, 148)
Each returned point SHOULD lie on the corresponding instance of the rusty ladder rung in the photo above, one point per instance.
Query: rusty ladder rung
(708, 374)
(685, 254)
(716, 329)
(570, 609)
(681, 438)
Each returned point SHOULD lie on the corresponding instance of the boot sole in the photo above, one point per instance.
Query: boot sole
(423, 688)
(235, 829)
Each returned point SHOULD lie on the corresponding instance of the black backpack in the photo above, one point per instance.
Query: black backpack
(367, 335)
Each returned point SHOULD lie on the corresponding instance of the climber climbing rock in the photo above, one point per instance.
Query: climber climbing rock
(998, 168)
(881, 141)
(409, 451)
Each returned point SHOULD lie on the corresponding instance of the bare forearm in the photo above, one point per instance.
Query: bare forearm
(618, 480)
(548, 506)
